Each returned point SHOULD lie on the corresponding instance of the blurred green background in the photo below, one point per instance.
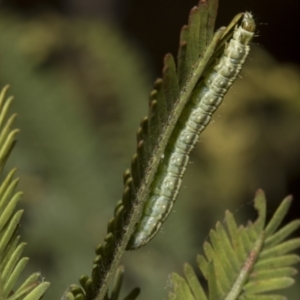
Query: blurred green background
(81, 72)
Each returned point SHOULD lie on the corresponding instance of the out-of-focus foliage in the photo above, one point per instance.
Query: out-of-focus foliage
(11, 250)
(75, 80)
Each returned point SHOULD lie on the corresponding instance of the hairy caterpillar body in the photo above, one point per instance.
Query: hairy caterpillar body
(205, 99)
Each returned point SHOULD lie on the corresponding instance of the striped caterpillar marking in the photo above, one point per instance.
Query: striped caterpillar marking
(205, 99)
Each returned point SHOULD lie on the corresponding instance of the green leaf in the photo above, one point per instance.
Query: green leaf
(12, 279)
(11, 261)
(245, 262)
(193, 283)
(199, 48)
(278, 216)
(9, 230)
(181, 289)
(38, 292)
(7, 213)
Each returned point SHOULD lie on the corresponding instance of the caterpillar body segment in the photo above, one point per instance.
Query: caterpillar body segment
(205, 99)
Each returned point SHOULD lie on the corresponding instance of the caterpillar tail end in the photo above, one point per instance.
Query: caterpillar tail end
(136, 242)
(140, 237)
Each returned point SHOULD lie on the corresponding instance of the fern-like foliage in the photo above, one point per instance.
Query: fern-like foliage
(199, 47)
(247, 262)
(11, 262)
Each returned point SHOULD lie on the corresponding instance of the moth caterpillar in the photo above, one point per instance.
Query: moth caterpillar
(205, 99)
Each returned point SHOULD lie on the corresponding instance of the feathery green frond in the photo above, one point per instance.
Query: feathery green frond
(199, 47)
(11, 263)
(244, 262)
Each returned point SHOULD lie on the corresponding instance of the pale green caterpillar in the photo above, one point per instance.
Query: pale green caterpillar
(205, 99)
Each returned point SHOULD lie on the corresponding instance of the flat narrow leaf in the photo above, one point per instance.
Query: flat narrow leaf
(213, 288)
(246, 241)
(270, 274)
(202, 264)
(6, 194)
(223, 282)
(206, 15)
(235, 236)
(195, 37)
(277, 262)
(2, 96)
(209, 252)
(243, 275)
(282, 234)
(4, 109)
(30, 281)
(268, 285)
(154, 123)
(181, 289)
(227, 248)
(182, 56)
(7, 129)
(161, 99)
(170, 79)
(222, 261)
(10, 230)
(10, 282)
(193, 41)
(281, 249)
(38, 292)
(218, 242)
(260, 205)
(278, 216)
(9, 250)
(8, 211)
(6, 182)
(193, 283)
(212, 15)
(7, 147)
(20, 293)
(135, 170)
(13, 261)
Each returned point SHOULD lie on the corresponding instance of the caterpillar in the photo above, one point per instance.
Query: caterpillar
(196, 115)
